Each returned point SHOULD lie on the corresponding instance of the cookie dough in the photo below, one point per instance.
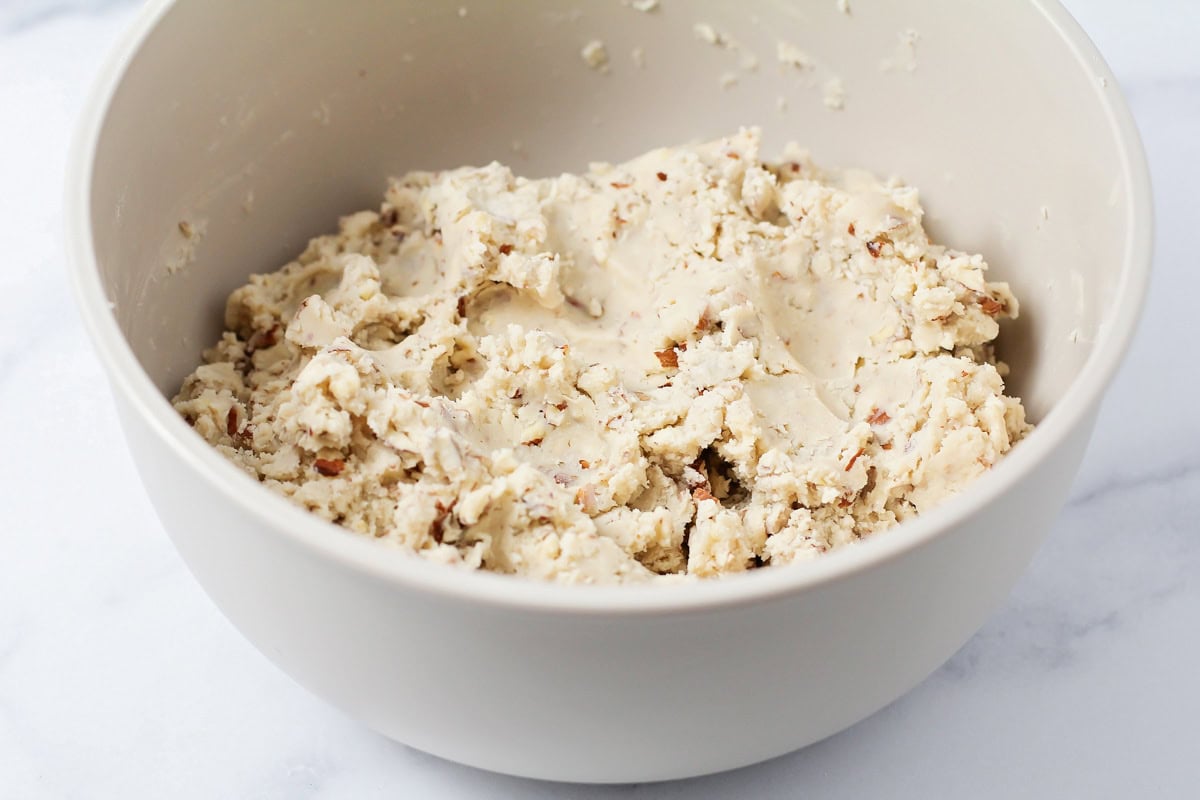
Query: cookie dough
(691, 364)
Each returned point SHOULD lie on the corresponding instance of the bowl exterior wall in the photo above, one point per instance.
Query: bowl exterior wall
(599, 697)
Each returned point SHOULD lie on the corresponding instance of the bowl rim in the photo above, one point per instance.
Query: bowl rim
(276, 514)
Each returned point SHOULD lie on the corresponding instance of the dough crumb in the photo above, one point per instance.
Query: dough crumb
(844, 6)
(790, 55)
(688, 365)
(638, 56)
(834, 94)
(192, 232)
(323, 114)
(644, 6)
(707, 33)
(904, 59)
(747, 61)
(595, 55)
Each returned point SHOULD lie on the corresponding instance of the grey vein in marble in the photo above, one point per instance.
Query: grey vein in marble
(18, 16)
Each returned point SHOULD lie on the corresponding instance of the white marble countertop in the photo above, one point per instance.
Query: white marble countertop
(119, 679)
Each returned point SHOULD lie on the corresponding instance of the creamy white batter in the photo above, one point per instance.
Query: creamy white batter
(693, 363)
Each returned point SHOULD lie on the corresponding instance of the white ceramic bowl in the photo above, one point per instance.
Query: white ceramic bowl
(260, 126)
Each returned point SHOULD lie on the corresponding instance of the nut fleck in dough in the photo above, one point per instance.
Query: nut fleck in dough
(691, 363)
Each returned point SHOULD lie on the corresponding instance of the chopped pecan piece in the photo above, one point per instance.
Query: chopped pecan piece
(261, 340)
(990, 305)
(878, 417)
(668, 358)
(329, 467)
(438, 526)
(585, 498)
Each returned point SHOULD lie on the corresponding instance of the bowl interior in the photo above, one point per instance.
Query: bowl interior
(260, 127)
